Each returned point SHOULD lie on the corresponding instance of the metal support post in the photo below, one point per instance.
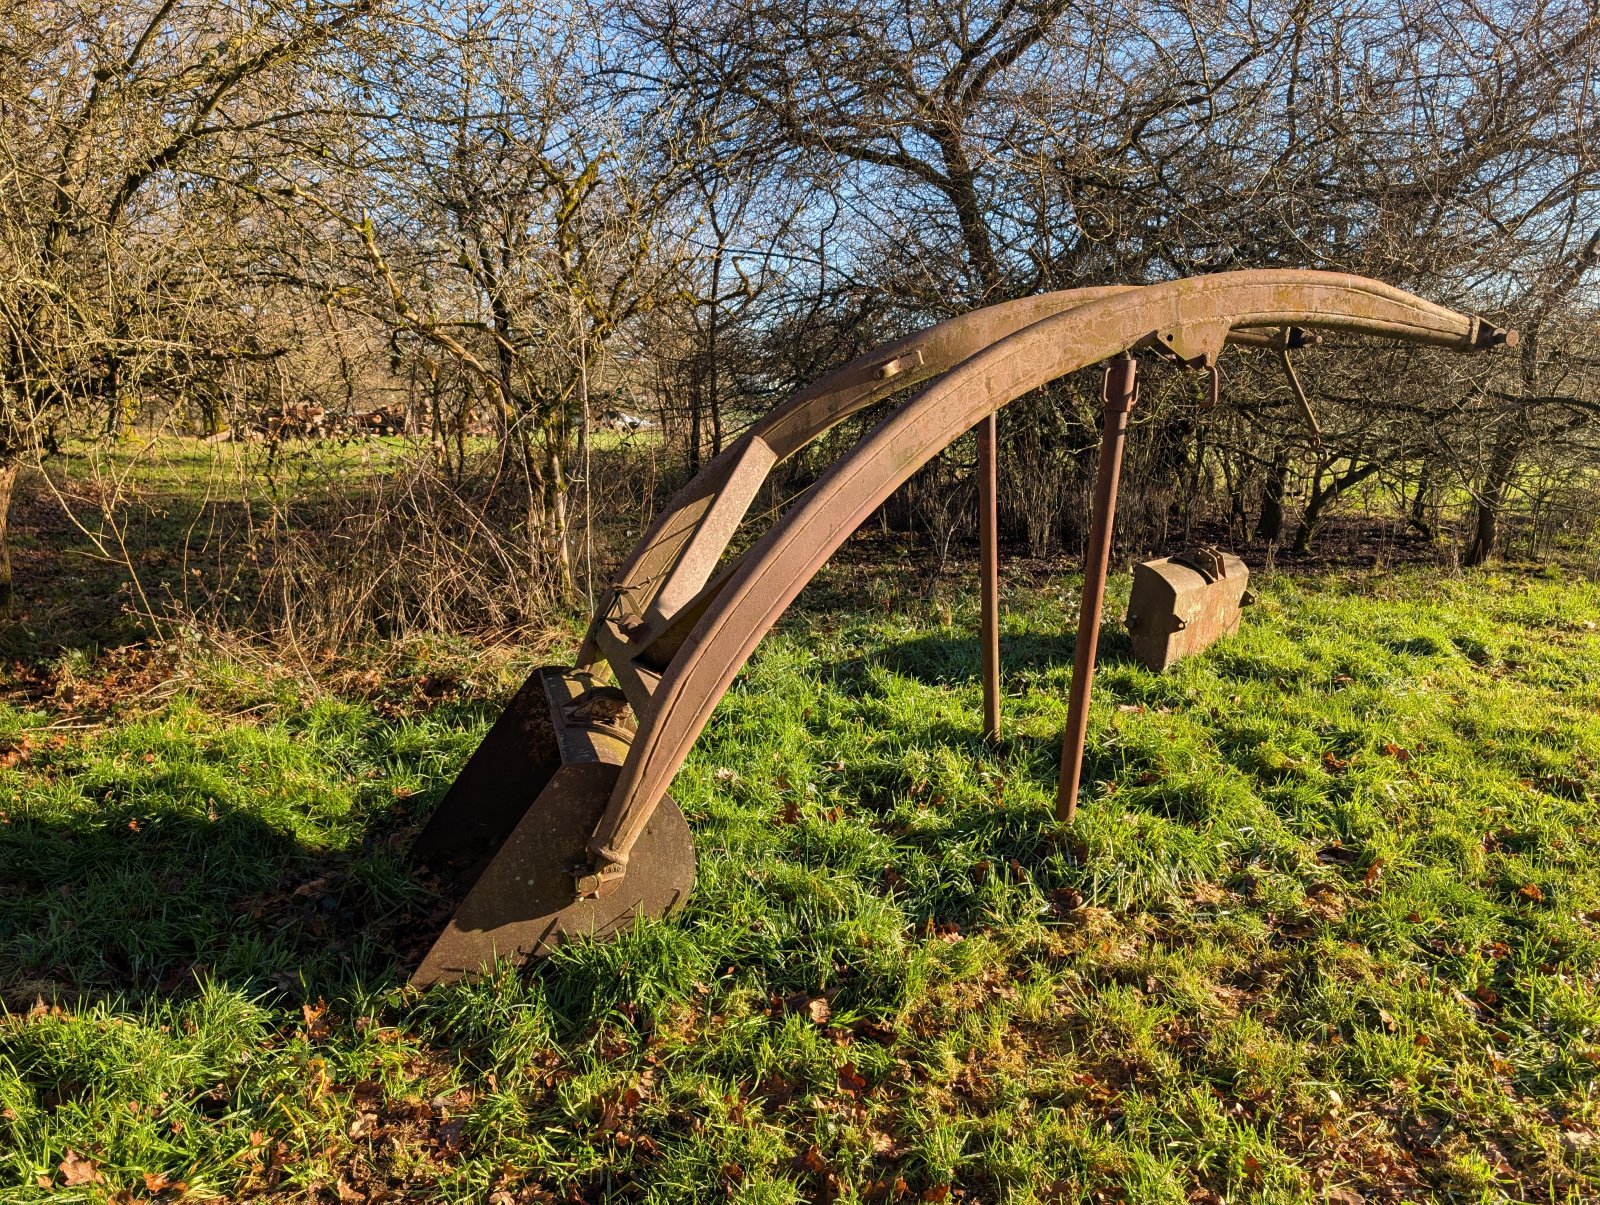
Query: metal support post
(989, 556)
(1119, 394)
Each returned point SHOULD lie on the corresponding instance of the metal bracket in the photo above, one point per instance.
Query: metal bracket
(1207, 561)
(1123, 398)
(1195, 344)
(1293, 338)
(894, 367)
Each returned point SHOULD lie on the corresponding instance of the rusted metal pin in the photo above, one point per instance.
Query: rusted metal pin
(1119, 394)
(1300, 398)
(989, 592)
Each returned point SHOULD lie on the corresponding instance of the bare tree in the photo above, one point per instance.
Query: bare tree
(119, 124)
(497, 205)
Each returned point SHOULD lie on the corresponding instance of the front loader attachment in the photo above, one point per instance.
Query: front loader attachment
(514, 828)
(561, 824)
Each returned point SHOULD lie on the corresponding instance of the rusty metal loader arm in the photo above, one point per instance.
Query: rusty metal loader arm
(561, 824)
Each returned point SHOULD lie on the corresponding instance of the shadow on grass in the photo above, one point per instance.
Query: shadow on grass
(118, 899)
(131, 910)
(133, 905)
(955, 659)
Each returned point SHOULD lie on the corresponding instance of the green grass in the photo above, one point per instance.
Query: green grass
(1326, 924)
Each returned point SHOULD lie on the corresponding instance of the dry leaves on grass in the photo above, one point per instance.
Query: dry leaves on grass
(851, 1080)
(450, 1135)
(76, 1169)
(316, 1020)
(815, 1008)
(14, 752)
(157, 1184)
(364, 1125)
(887, 1146)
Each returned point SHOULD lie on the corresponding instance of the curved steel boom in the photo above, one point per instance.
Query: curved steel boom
(676, 627)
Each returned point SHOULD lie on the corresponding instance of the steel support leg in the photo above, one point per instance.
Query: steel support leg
(989, 556)
(1119, 395)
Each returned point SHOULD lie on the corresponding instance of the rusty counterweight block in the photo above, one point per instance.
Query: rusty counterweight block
(1184, 603)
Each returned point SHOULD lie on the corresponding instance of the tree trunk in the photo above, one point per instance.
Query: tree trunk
(1270, 525)
(8, 480)
(1323, 496)
(559, 536)
(694, 418)
(1491, 500)
(1491, 497)
(110, 385)
(211, 410)
(714, 368)
(1418, 516)
(962, 193)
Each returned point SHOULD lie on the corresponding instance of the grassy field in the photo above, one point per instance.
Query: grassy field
(1326, 929)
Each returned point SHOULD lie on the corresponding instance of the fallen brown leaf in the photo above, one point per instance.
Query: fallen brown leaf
(813, 1161)
(869, 1030)
(76, 1169)
(449, 1135)
(1066, 899)
(315, 1018)
(851, 1080)
(887, 1146)
(363, 1125)
(1497, 1157)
